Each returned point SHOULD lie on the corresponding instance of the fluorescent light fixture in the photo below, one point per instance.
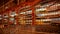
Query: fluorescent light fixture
(11, 19)
(5, 19)
(29, 12)
(15, 22)
(25, 7)
(56, 5)
(45, 20)
(53, 13)
(0, 18)
(13, 14)
(0, 15)
(22, 12)
(5, 16)
(41, 9)
(41, 14)
(54, 19)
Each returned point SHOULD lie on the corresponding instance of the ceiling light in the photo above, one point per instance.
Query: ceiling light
(41, 9)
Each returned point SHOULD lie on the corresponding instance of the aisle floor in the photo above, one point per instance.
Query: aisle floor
(18, 29)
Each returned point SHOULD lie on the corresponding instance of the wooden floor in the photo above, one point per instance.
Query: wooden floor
(20, 29)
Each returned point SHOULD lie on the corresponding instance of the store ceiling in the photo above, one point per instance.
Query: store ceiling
(2, 2)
